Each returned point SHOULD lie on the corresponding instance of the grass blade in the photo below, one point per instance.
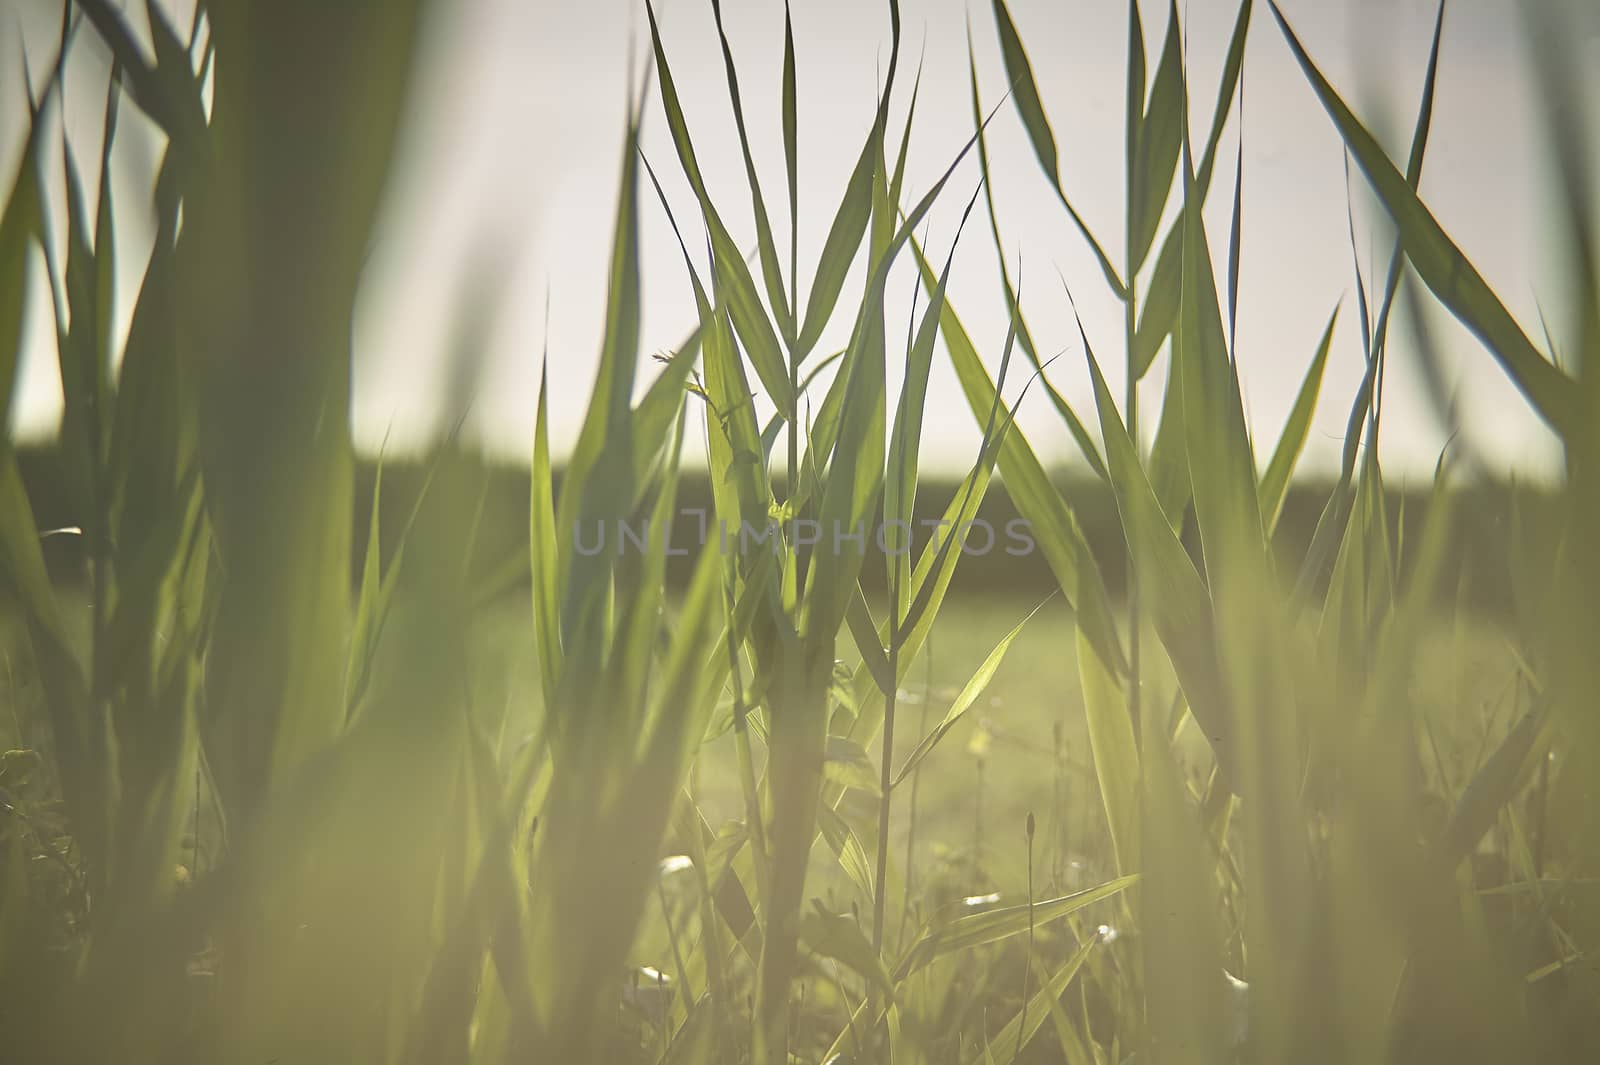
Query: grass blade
(1020, 1030)
(975, 687)
(1174, 597)
(1441, 265)
(1275, 482)
(768, 251)
(1155, 154)
(1019, 71)
(941, 940)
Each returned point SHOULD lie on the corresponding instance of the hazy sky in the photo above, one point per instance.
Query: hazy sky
(514, 149)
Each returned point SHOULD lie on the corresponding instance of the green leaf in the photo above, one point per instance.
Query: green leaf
(1177, 909)
(847, 762)
(846, 847)
(859, 618)
(940, 940)
(975, 687)
(1080, 435)
(1160, 311)
(1221, 467)
(856, 475)
(1175, 598)
(1019, 72)
(839, 249)
(544, 556)
(905, 444)
(1026, 93)
(1133, 107)
(1160, 308)
(155, 89)
(597, 490)
(1275, 482)
(1115, 753)
(1442, 266)
(643, 593)
(1014, 1034)
(791, 151)
(744, 305)
(362, 626)
(767, 249)
(835, 936)
(1160, 137)
(19, 226)
(1051, 522)
(1232, 69)
(654, 415)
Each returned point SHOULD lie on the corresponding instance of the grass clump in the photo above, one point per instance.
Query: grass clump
(250, 816)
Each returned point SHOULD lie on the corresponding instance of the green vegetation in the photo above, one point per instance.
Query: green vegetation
(1289, 801)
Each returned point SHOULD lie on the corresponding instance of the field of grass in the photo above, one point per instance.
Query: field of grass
(268, 795)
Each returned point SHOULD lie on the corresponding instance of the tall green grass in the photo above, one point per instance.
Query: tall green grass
(261, 803)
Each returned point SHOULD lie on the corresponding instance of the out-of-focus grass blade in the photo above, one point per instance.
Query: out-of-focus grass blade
(1275, 482)
(1177, 907)
(941, 940)
(600, 492)
(85, 382)
(1178, 602)
(1114, 750)
(19, 227)
(361, 625)
(1068, 1038)
(835, 936)
(847, 849)
(1033, 1014)
(975, 686)
(544, 553)
(1494, 785)
(1019, 71)
(25, 581)
(105, 245)
(859, 618)
(1437, 260)
(149, 87)
(644, 588)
